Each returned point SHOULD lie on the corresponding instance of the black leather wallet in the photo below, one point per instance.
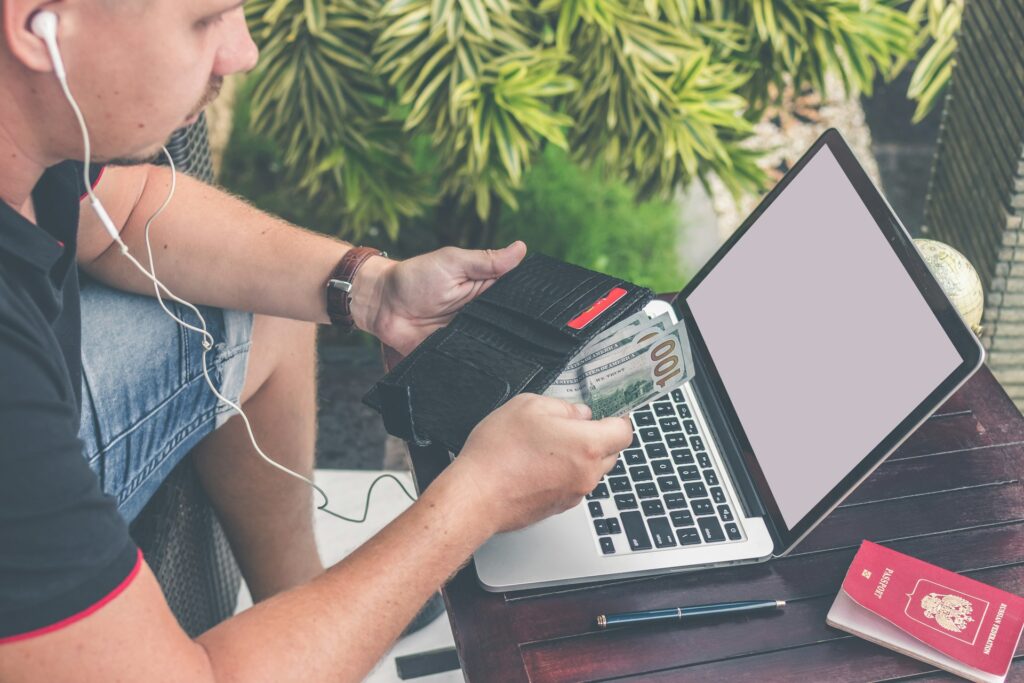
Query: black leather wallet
(515, 337)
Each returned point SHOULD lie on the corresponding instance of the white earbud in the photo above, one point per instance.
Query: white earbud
(44, 25)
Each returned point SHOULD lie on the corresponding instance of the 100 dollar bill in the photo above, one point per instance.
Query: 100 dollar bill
(632, 376)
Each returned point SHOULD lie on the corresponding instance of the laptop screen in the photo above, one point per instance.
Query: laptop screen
(822, 340)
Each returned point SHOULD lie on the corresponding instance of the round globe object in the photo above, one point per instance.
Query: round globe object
(958, 278)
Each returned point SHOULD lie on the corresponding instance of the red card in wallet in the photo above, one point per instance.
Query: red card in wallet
(956, 623)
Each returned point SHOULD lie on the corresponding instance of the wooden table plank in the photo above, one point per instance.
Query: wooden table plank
(599, 655)
(843, 659)
(951, 495)
(572, 612)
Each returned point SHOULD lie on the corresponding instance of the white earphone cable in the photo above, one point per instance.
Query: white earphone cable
(208, 341)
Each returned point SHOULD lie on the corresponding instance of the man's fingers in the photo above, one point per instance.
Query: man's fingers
(583, 411)
(616, 433)
(557, 407)
(492, 263)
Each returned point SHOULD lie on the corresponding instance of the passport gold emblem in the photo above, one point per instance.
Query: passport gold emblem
(951, 612)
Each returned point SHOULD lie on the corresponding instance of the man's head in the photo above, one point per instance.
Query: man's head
(139, 70)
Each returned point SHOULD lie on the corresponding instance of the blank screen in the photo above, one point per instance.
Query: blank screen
(822, 339)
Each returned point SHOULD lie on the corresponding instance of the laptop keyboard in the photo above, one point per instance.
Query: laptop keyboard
(664, 492)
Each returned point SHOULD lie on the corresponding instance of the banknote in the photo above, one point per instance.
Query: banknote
(623, 334)
(568, 385)
(633, 375)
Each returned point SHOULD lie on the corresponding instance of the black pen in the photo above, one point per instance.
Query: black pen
(679, 613)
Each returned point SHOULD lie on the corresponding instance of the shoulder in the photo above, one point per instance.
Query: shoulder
(69, 176)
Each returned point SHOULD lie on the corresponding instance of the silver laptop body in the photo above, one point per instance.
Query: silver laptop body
(758, 468)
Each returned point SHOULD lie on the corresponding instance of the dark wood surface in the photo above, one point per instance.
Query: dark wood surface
(951, 495)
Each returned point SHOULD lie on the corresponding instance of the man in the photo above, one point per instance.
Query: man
(77, 602)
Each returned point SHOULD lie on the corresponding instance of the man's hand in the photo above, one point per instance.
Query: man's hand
(538, 456)
(405, 302)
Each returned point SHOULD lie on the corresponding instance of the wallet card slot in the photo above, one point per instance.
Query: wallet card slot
(579, 291)
(585, 298)
(532, 332)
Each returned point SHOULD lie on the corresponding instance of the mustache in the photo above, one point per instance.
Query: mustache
(212, 92)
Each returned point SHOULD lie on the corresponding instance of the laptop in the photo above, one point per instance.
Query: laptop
(820, 341)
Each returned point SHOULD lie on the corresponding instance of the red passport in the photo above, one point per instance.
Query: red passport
(956, 623)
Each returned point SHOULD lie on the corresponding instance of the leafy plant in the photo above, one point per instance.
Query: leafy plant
(941, 22)
(656, 93)
(599, 223)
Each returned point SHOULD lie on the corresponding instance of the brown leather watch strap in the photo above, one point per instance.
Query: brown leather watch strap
(339, 285)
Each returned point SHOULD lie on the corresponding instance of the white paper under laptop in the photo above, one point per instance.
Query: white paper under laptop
(821, 343)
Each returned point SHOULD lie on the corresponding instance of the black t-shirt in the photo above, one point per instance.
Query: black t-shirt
(64, 548)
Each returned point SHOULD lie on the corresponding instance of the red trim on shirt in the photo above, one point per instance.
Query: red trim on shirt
(84, 613)
(94, 184)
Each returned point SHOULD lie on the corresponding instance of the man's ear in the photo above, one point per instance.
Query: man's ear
(23, 45)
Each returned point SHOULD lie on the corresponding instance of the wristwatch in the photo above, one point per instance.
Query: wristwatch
(339, 285)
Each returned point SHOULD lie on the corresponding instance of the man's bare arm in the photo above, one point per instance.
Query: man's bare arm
(333, 629)
(210, 247)
(533, 457)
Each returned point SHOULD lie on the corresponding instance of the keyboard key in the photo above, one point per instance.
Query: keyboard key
(644, 419)
(695, 489)
(702, 506)
(641, 473)
(620, 484)
(636, 531)
(677, 395)
(697, 443)
(669, 424)
(681, 518)
(710, 529)
(647, 490)
(733, 532)
(595, 509)
(607, 545)
(687, 473)
(717, 495)
(656, 450)
(648, 434)
(661, 532)
(635, 443)
(625, 501)
(601, 527)
(652, 508)
(677, 440)
(691, 427)
(634, 456)
(684, 411)
(725, 513)
(674, 501)
(667, 484)
(619, 469)
(682, 456)
(662, 467)
(664, 409)
(613, 526)
(600, 491)
(704, 460)
(688, 536)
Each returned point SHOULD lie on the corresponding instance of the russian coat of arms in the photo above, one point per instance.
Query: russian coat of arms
(951, 612)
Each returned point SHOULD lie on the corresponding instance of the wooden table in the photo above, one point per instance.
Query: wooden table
(951, 495)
